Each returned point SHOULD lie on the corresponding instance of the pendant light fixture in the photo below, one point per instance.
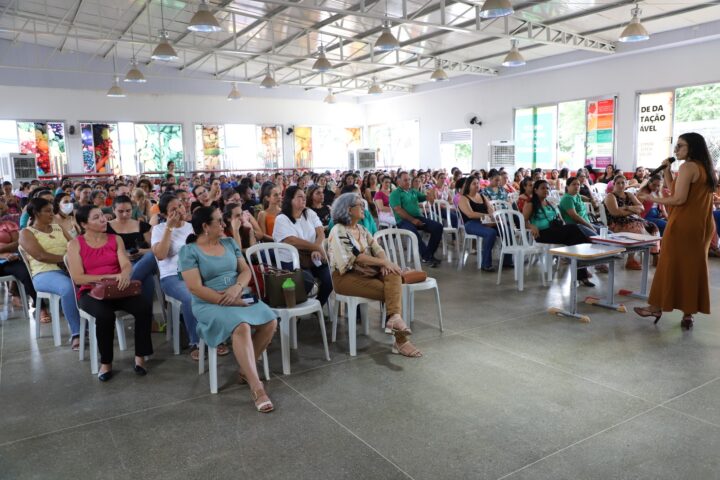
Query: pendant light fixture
(134, 75)
(203, 20)
(496, 8)
(375, 89)
(234, 93)
(386, 42)
(439, 74)
(634, 32)
(513, 58)
(164, 51)
(115, 91)
(268, 81)
(322, 64)
(330, 97)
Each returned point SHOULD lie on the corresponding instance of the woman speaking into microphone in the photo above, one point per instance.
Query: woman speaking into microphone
(681, 279)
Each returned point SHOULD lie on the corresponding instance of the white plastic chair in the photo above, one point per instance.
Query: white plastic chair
(500, 205)
(87, 321)
(212, 364)
(439, 211)
(23, 296)
(172, 325)
(393, 241)
(53, 301)
(261, 254)
(467, 241)
(516, 242)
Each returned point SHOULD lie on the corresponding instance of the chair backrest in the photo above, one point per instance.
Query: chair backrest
(401, 247)
(441, 213)
(500, 205)
(511, 226)
(23, 255)
(266, 254)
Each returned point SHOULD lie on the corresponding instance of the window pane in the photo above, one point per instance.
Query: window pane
(697, 109)
(571, 135)
(398, 144)
(655, 125)
(536, 137)
(209, 147)
(8, 137)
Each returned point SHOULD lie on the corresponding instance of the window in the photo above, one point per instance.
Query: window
(303, 147)
(331, 146)
(456, 150)
(158, 143)
(209, 147)
(566, 135)
(100, 147)
(8, 137)
(398, 144)
(47, 141)
(664, 116)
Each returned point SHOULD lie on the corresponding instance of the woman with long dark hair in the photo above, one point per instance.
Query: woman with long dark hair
(543, 221)
(216, 274)
(681, 279)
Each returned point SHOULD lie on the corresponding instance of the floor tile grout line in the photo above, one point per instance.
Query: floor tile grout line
(579, 442)
(675, 410)
(113, 417)
(346, 428)
(689, 391)
(561, 370)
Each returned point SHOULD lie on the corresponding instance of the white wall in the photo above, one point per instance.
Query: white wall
(494, 99)
(73, 106)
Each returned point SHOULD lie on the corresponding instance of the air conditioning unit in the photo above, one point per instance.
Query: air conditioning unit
(366, 159)
(19, 167)
(502, 154)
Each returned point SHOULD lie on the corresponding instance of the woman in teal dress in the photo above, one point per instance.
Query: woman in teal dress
(216, 273)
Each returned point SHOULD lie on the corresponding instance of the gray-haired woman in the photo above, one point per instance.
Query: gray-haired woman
(359, 268)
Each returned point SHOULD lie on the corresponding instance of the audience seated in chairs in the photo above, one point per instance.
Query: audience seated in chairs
(11, 264)
(45, 244)
(135, 235)
(216, 274)
(300, 227)
(623, 213)
(382, 203)
(240, 225)
(474, 208)
(573, 210)
(405, 204)
(316, 203)
(166, 241)
(65, 214)
(546, 227)
(495, 190)
(360, 268)
(271, 202)
(97, 255)
(526, 189)
(653, 212)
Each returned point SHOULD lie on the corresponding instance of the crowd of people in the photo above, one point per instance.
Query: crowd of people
(190, 232)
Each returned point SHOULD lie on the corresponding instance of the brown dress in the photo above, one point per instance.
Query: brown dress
(681, 280)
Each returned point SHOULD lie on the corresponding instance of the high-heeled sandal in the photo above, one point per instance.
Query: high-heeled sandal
(395, 324)
(644, 312)
(406, 349)
(687, 322)
(264, 406)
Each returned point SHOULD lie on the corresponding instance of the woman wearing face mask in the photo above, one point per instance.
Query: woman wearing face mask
(64, 214)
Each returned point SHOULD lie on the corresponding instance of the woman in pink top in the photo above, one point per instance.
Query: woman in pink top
(382, 202)
(96, 255)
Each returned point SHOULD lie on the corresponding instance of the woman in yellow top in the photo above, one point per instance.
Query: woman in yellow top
(45, 244)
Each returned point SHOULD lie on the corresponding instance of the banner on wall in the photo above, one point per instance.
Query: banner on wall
(535, 136)
(303, 147)
(600, 132)
(655, 128)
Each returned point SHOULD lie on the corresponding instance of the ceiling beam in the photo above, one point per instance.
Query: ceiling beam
(128, 27)
(72, 24)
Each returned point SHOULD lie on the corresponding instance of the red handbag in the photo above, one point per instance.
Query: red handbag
(413, 276)
(107, 289)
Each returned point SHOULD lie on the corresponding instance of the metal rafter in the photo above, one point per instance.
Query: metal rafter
(72, 24)
(129, 27)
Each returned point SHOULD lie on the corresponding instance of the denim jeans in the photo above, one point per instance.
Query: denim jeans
(174, 287)
(716, 216)
(435, 229)
(144, 269)
(488, 235)
(59, 283)
(653, 216)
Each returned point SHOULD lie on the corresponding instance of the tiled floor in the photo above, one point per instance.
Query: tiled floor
(506, 391)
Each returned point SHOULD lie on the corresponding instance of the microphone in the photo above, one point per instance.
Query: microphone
(661, 167)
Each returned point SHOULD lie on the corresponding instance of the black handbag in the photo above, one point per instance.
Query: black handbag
(273, 279)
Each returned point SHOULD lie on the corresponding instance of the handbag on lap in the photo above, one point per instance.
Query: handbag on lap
(107, 289)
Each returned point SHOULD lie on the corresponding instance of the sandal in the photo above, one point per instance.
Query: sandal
(45, 316)
(222, 350)
(406, 349)
(264, 406)
(195, 353)
(687, 322)
(646, 312)
(75, 344)
(602, 269)
(633, 265)
(395, 324)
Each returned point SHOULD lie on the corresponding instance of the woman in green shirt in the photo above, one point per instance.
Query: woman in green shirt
(542, 220)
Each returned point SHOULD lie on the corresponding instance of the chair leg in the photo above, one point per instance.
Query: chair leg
(55, 320)
(201, 356)
(500, 265)
(285, 342)
(83, 326)
(321, 318)
(405, 309)
(478, 253)
(520, 269)
(212, 362)
(175, 322)
(293, 333)
(334, 314)
(38, 307)
(364, 318)
(120, 327)
(93, 348)
(383, 314)
(23, 299)
(266, 365)
(352, 327)
(169, 326)
(439, 308)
